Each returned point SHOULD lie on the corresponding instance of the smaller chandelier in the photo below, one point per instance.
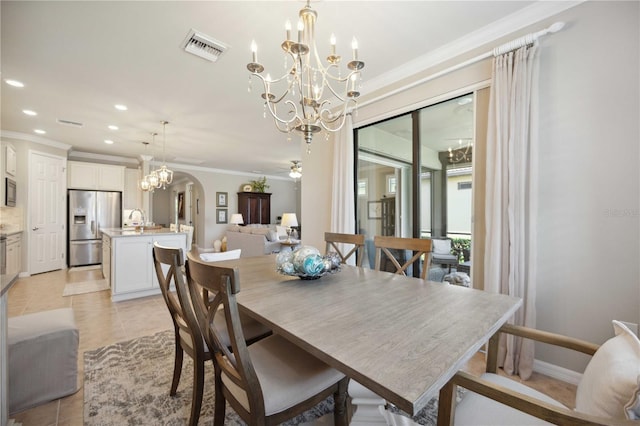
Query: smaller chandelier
(463, 153)
(301, 99)
(145, 183)
(296, 170)
(163, 176)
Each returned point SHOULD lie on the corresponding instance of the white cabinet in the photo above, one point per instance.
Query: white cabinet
(133, 272)
(132, 195)
(10, 160)
(14, 254)
(102, 177)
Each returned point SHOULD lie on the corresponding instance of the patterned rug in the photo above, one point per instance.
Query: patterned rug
(128, 383)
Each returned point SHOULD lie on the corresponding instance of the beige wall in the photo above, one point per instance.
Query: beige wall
(589, 184)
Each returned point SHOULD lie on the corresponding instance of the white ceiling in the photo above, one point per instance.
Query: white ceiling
(79, 59)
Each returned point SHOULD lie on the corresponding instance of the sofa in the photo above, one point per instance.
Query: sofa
(255, 240)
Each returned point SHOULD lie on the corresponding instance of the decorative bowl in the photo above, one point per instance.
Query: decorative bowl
(306, 263)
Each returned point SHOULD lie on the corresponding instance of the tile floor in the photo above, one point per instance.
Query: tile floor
(102, 322)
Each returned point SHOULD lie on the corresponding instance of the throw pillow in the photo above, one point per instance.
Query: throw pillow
(612, 377)
(272, 235)
(633, 406)
(282, 232)
(441, 246)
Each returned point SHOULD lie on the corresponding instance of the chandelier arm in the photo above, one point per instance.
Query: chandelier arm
(339, 117)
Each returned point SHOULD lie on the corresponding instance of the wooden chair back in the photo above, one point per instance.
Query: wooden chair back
(418, 246)
(168, 262)
(235, 364)
(334, 240)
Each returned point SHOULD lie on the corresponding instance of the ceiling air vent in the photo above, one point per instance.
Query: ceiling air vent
(69, 123)
(204, 46)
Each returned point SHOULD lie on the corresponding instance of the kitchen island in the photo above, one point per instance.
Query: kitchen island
(127, 259)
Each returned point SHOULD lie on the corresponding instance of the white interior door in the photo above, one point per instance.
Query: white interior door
(47, 201)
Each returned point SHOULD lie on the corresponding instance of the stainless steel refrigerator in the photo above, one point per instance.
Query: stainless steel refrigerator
(88, 212)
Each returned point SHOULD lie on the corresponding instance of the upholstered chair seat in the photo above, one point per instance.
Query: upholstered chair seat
(287, 374)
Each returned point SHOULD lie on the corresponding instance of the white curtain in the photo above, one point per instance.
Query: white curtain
(511, 191)
(342, 201)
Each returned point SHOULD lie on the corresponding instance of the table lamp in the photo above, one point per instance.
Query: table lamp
(289, 220)
(236, 219)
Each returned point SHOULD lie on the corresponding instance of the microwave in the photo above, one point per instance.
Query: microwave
(10, 192)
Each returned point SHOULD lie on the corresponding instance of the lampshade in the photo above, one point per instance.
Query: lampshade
(236, 219)
(289, 220)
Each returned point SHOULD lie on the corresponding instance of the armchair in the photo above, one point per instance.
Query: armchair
(442, 252)
(608, 393)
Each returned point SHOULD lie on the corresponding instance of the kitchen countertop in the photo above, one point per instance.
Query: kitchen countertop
(131, 232)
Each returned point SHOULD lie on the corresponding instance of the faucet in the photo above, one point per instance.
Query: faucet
(142, 218)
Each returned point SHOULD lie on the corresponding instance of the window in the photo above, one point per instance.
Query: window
(464, 185)
(362, 187)
(391, 184)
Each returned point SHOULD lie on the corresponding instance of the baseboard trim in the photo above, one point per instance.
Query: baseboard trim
(556, 372)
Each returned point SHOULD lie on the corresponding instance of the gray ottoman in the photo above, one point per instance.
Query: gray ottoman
(43, 358)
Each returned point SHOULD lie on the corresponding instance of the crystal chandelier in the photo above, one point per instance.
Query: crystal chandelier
(304, 93)
(463, 153)
(296, 170)
(163, 175)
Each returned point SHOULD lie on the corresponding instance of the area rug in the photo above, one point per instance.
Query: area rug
(128, 383)
(85, 287)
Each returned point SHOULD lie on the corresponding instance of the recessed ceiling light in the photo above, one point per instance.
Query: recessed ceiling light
(14, 83)
(112, 127)
(121, 107)
(29, 112)
(40, 132)
(108, 141)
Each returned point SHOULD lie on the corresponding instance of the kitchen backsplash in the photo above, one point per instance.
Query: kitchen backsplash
(11, 219)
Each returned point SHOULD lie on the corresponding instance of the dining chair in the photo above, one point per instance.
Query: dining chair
(189, 230)
(168, 263)
(268, 382)
(418, 246)
(608, 392)
(334, 240)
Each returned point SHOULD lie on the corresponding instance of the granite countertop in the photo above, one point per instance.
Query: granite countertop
(131, 232)
(6, 230)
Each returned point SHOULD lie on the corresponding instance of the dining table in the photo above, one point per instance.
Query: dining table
(401, 337)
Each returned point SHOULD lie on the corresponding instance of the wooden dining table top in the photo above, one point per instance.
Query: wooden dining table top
(401, 337)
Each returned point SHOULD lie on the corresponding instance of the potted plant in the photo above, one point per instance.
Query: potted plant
(260, 184)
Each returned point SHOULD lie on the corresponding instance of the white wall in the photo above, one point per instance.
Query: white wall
(588, 239)
(589, 102)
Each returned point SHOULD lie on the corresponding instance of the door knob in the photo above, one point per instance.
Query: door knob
(35, 229)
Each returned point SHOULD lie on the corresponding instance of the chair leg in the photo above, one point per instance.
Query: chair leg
(177, 366)
(198, 388)
(220, 403)
(340, 403)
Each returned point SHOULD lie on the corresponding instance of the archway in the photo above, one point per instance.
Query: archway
(165, 204)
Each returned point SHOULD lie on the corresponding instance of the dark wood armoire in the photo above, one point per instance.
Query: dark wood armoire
(255, 207)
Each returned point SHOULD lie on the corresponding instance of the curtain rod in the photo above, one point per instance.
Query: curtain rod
(503, 48)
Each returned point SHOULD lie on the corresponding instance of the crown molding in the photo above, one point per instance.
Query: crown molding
(103, 157)
(525, 17)
(35, 139)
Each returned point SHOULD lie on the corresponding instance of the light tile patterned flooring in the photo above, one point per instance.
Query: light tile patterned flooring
(102, 322)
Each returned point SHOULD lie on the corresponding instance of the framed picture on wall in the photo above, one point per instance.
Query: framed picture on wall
(180, 205)
(221, 215)
(222, 199)
(375, 210)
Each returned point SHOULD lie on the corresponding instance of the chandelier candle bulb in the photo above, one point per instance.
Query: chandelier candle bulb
(254, 51)
(287, 27)
(333, 44)
(300, 30)
(354, 46)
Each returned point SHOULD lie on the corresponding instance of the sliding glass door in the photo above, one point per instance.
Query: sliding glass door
(414, 173)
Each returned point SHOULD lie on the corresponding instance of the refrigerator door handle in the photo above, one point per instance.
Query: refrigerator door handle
(93, 226)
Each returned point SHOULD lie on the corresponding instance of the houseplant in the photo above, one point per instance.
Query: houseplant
(260, 184)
